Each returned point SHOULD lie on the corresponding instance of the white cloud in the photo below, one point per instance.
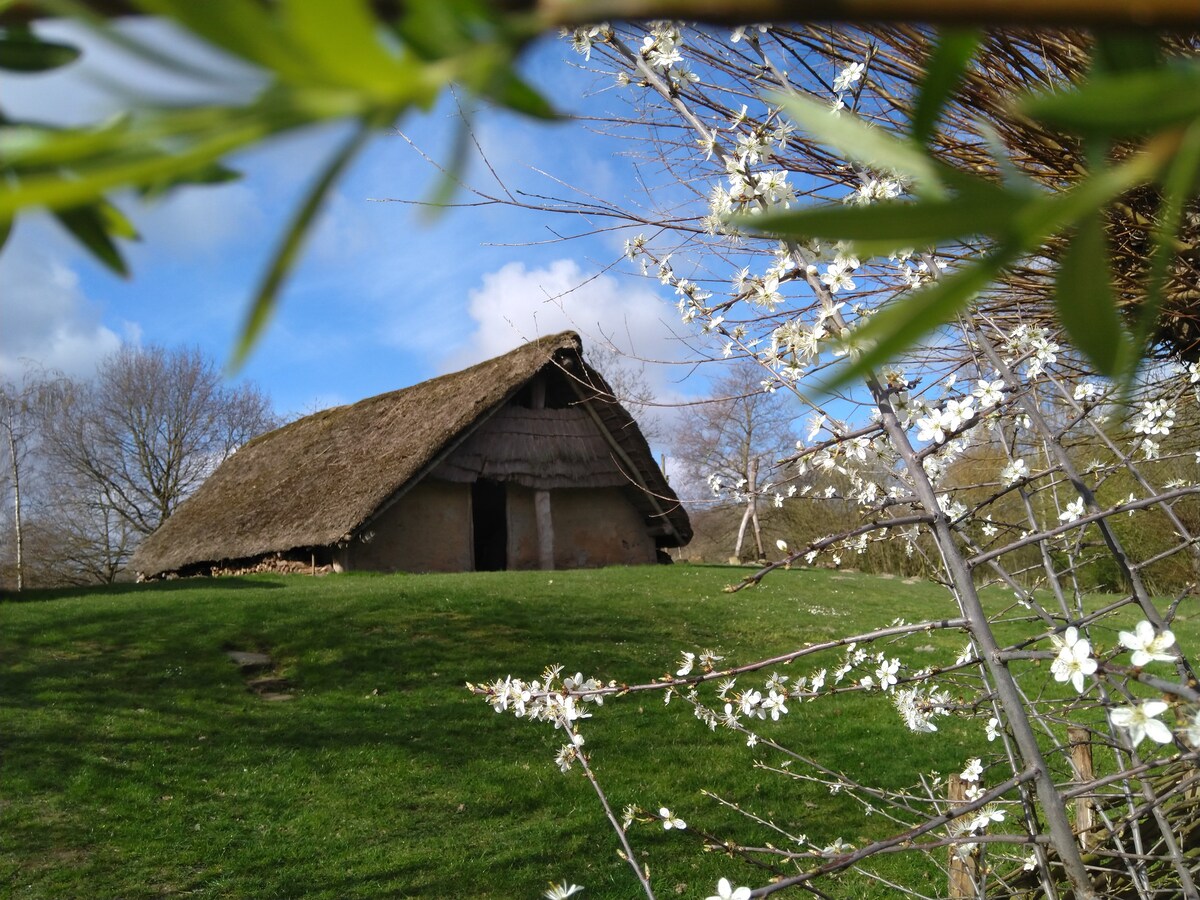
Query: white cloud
(107, 79)
(515, 304)
(47, 318)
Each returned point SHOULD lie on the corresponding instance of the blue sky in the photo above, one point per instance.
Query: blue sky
(384, 298)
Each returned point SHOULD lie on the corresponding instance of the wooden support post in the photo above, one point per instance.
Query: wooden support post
(962, 870)
(1081, 759)
(541, 499)
(545, 529)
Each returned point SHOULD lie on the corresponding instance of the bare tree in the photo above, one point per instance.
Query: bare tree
(151, 427)
(626, 375)
(734, 442)
(23, 407)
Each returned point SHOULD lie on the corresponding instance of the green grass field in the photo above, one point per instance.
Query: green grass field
(136, 763)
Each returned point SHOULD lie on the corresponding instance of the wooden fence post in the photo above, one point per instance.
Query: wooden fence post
(962, 869)
(1081, 759)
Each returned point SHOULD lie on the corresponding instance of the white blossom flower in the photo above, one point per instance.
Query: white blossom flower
(966, 655)
(848, 77)
(581, 41)
(774, 189)
(973, 770)
(726, 891)
(1014, 472)
(774, 704)
(932, 427)
(562, 891)
(838, 847)
(661, 48)
(567, 755)
(754, 146)
(709, 658)
(1192, 731)
(686, 661)
(1141, 721)
(777, 683)
(886, 673)
(740, 32)
(956, 413)
(752, 704)
(838, 275)
(1157, 417)
(782, 545)
(988, 393)
(873, 189)
(986, 817)
(1147, 645)
(1075, 510)
(1074, 659)
(670, 820)
(993, 729)
(917, 708)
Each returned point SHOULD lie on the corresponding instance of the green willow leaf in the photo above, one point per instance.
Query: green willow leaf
(284, 258)
(911, 315)
(897, 223)
(103, 162)
(952, 55)
(91, 226)
(516, 94)
(243, 28)
(211, 174)
(437, 29)
(1178, 189)
(1122, 105)
(862, 143)
(24, 52)
(1086, 304)
(343, 40)
(116, 222)
(1115, 52)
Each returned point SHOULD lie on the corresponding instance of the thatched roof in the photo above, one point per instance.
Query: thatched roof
(321, 479)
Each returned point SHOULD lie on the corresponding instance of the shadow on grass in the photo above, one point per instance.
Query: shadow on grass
(179, 585)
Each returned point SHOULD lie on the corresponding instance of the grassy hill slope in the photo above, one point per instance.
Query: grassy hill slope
(136, 763)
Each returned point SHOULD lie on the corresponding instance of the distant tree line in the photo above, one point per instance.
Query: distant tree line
(739, 467)
(94, 465)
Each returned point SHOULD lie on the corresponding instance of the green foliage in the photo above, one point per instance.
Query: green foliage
(947, 65)
(23, 51)
(1085, 300)
(319, 63)
(1083, 557)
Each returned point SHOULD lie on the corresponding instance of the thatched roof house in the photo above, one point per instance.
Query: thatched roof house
(523, 461)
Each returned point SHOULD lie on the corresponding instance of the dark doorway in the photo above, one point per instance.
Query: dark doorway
(489, 519)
